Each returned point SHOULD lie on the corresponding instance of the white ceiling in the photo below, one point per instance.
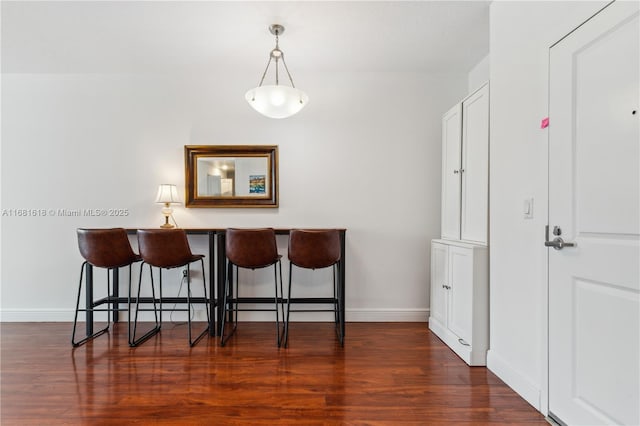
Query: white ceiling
(232, 36)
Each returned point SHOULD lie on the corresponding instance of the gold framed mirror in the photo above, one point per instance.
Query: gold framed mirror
(231, 175)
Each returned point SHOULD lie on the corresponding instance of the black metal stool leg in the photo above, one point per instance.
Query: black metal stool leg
(189, 304)
(204, 288)
(160, 301)
(224, 310)
(281, 300)
(156, 329)
(275, 280)
(286, 323)
(205, 331)
(227, 306)
(75, 319)
(201, 335)
(235, 296)
(129, 309)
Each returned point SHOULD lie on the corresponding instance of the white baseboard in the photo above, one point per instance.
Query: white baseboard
(352, 315)
(516, 381)
(387, 315)
(37, 315)
(66, 315)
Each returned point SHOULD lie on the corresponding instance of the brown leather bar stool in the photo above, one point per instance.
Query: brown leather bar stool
(315, 249)
(167, 249)
(109, 249)
(250, 249)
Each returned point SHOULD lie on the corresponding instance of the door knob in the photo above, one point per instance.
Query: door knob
(558, 243)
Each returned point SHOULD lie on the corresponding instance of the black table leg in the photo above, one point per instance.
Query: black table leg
(221, 276)
(213, 301)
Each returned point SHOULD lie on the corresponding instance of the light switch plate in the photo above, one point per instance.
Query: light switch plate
(527, 208)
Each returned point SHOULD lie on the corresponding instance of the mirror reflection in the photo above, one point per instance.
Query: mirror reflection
(232, 176)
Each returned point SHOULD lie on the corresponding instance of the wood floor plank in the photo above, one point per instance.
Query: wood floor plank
(386, 374)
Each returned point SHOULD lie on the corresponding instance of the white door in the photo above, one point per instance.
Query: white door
(475, 167)
(451, 145)
(594, 201)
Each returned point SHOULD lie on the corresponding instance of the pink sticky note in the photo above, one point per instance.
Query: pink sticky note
(544, 123)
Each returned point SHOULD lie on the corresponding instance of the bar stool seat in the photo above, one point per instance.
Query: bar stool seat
(167, 249)
(249, 249)
(108, 249)
(315, 249)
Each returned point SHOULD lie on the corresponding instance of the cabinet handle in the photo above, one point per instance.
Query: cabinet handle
(455, 172)
(461, 170)
(446, 286)
(462, 342)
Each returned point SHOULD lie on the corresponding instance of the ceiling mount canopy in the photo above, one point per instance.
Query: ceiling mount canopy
(276, 101)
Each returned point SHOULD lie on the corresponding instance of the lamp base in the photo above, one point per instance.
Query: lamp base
(166, 211)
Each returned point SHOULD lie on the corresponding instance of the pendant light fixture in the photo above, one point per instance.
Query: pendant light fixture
(276, 101)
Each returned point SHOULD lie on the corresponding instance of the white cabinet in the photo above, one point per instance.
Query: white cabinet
(460, 298)
(459, 312)
(465, 169)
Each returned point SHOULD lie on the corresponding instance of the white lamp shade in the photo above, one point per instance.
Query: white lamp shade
(167, 194)
(277, 101)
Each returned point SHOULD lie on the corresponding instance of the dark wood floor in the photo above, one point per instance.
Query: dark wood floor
(387, 373)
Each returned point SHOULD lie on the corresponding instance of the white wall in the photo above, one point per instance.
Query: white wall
(478, 75)
(364, 155)
(521, 34)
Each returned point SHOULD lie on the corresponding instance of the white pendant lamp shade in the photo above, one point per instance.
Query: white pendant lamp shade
(276, 101)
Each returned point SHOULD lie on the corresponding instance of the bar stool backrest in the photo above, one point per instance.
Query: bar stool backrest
(106, 248)
(251, 248)
(314, 249)
(164, 248)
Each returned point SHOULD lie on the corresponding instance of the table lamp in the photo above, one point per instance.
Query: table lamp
(167, 195)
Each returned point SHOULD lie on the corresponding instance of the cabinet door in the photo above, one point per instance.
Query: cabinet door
(460, 307)
(451, 157)
(439, 279)
(475, 167)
